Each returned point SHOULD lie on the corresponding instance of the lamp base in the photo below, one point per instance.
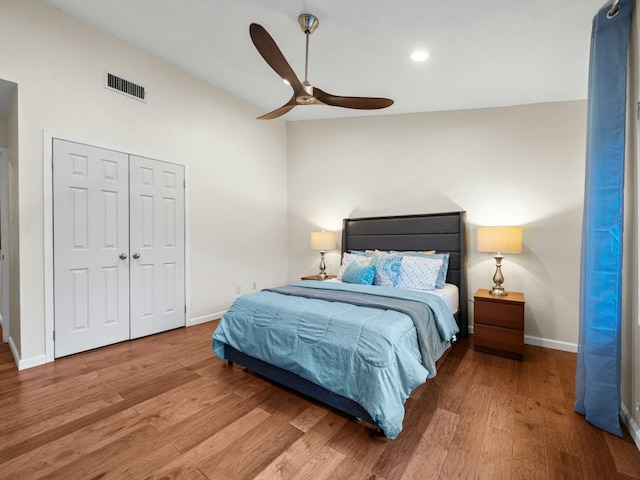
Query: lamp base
(323, 273)
(498, 291)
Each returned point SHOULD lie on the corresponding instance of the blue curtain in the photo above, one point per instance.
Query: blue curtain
(599, 345)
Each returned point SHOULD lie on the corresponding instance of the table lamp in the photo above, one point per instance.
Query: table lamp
(323, 241)
(499, 240)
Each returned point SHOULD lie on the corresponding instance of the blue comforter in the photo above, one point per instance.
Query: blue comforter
(367, 351)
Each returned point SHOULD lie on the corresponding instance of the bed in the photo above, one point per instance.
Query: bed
(331, 348)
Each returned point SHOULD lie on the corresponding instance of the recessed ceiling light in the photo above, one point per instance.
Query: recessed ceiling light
(419, 55)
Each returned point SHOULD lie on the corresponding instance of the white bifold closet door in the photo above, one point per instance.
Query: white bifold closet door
(118, 233)
(157, 246)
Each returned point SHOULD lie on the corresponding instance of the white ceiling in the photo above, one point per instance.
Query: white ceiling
(483, 54)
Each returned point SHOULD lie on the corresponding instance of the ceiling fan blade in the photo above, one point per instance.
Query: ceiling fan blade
(267, 47)
(280, 111)
(360, 103)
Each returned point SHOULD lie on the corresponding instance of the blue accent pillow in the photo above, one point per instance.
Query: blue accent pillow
(387, 268)
(359, 274)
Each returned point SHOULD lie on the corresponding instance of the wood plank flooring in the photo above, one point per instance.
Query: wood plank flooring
(163, 407)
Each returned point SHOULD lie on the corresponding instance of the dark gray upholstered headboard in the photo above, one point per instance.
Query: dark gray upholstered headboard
(443, 232)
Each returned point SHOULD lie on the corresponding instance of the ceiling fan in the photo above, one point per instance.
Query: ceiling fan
(303, 92)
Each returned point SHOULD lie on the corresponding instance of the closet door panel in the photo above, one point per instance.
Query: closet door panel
(157, 246)
(91, 233)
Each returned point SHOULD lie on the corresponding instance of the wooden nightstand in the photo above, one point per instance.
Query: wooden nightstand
(317, 277)
(498, 323)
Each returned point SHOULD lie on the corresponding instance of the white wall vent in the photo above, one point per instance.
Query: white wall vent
(126, 87)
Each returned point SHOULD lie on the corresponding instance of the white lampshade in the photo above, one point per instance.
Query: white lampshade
(500, 239)
(323, 240)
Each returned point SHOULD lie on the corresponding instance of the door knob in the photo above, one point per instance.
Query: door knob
(136, 255)
(123, 256)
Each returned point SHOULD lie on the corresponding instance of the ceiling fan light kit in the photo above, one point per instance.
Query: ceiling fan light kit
(303, 92)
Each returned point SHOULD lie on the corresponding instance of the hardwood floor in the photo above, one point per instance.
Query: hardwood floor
(165, 407)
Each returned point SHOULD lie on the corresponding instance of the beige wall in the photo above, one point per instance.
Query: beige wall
(517, 165)
(237, 165)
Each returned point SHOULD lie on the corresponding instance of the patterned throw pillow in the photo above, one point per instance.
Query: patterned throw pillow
(387, 268)
(349, 258)
(419, 272)
(360, 275)
(442, 274)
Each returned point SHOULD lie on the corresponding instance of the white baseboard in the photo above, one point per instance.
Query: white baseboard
(14, 351)
(24, 363)
(205, 318)
(548, 343)
(36, 361)
(631, 425)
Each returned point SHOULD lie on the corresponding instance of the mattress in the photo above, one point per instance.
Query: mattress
(449, 294)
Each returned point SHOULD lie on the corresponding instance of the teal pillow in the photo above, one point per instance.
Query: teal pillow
(358, 274)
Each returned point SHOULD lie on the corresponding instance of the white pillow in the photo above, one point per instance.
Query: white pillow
(349, 258)
(419, 273)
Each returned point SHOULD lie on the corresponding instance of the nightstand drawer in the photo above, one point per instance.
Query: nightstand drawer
(502, 315)
(498, 340)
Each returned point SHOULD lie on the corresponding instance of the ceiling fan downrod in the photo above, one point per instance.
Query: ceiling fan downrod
(308, 24)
